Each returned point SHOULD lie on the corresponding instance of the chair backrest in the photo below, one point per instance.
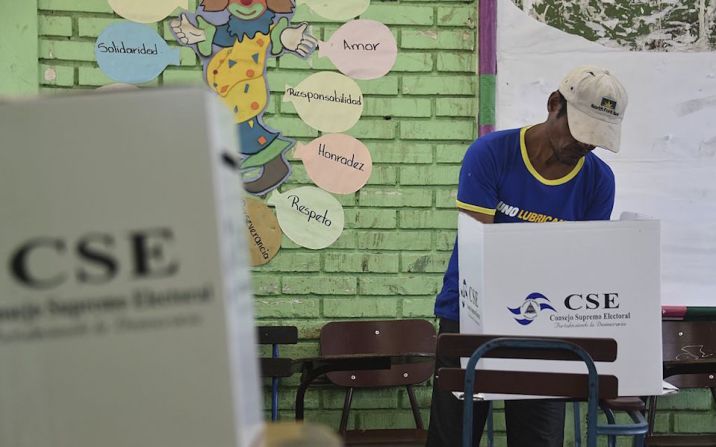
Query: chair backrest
(386, 337)
(689, 341)
(276, 335)
(528, 383)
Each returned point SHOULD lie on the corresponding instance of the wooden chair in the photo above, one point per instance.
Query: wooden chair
(689, 363)
(590, 387)
(274, 366)
(391, 337)
(633, 406)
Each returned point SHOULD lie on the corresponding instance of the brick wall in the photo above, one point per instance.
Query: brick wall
(399, 228)
(390, 259)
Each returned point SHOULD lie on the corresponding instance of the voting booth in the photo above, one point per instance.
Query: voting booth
(125, 306)
(567, 279)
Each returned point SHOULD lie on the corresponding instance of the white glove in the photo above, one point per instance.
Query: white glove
(297, 40)
(185, 32)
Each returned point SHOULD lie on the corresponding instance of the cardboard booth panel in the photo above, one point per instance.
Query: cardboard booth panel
(125, 307)
(567, 279)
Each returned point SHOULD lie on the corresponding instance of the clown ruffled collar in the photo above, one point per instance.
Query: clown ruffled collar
(238, 28)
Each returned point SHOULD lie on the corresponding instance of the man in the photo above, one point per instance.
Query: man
(549, 169)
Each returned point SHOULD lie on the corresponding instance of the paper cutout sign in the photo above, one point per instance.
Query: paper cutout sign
(117, 86)
(146, 11)
(133, 53)
(337, 9)
(361, 49)
(327, 101)
(235, 41)
(310, 217)
(263, 231)
(337, 163)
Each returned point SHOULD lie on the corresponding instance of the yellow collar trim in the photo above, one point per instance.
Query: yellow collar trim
(533, 171)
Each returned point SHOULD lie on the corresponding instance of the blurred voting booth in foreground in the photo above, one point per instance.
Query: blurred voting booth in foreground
(125, 306)
(567, 279)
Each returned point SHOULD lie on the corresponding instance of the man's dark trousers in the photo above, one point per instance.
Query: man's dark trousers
(530, 423)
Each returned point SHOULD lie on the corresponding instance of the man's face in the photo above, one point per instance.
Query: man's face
(566, 148)
(247, 9)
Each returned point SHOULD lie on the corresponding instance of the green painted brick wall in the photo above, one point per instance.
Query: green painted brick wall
(400, 228)
(417, 123)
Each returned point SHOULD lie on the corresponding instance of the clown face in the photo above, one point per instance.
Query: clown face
(247, 9)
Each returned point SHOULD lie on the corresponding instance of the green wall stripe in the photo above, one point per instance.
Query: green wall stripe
(487, 100)
(19, 49)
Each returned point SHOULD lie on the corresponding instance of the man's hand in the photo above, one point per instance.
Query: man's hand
(297, 40)
(185, 32)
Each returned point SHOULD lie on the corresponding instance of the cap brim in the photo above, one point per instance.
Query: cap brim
(596, 132)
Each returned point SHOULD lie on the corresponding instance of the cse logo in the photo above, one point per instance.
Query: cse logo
(592, 301)
(467, 292)
(47, 262)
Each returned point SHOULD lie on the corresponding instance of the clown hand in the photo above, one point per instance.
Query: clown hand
(185, 32)
(297, 40)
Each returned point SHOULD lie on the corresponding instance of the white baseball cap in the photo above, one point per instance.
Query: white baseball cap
(596, 102)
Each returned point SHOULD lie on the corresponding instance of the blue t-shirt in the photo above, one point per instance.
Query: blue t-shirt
(498, 179)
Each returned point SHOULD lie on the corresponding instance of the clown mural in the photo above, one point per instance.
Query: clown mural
(233, 39)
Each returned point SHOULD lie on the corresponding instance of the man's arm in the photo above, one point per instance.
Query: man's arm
(481, 217)
(478, 183)
(602, 200)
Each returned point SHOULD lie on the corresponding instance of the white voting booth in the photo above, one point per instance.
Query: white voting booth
(567, 279)
(125, 306)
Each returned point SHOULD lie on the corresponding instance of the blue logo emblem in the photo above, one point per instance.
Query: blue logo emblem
(531, 308)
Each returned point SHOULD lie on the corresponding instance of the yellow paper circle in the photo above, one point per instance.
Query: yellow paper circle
(310, 217)
(327, 101)
(146, 11)
(337, 9)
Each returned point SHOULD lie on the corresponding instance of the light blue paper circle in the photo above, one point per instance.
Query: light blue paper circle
(133, 53)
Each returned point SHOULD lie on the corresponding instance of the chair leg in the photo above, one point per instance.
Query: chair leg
(490, 426)
(637, 429)
(274, 387)
(414, 407)
(638, 441)
(274, 398)
(651, 409)
(346, 409)
(611, 439)
(577, 425)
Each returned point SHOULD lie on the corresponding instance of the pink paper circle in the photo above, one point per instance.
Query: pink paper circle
(361, 49)
(337, 163)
